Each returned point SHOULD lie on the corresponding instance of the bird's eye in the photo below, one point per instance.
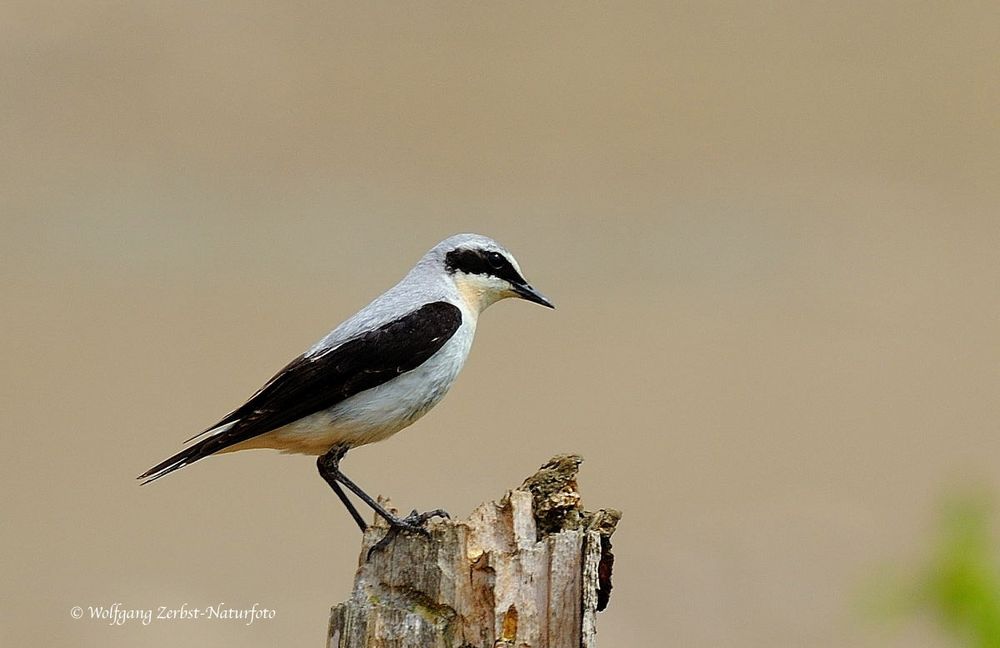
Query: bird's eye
(495, 260)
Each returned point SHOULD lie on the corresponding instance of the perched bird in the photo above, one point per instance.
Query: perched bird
(376, 373)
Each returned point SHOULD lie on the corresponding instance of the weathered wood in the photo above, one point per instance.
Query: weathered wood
(529, 571)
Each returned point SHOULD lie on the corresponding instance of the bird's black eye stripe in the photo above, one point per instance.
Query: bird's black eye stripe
(484, 262)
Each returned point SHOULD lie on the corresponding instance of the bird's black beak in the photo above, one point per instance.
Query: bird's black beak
(525, 291)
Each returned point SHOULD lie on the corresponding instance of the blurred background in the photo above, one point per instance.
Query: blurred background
(771, 231)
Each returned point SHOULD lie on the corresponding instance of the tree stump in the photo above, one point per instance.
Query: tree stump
(529, 571)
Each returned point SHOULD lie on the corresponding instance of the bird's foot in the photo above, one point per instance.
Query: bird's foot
(412, 523)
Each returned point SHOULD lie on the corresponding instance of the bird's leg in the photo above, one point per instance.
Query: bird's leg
(412, 522)
(329, 468)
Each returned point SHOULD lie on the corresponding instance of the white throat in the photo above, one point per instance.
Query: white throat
(476, 293)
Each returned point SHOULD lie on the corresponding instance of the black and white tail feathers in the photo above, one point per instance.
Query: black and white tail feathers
(187, 456)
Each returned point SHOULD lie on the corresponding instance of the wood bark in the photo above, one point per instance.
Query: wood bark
(528, 571)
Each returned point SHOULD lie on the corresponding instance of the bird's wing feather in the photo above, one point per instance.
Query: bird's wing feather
(312, 383)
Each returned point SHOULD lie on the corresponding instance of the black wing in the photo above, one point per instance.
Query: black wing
(314, 383)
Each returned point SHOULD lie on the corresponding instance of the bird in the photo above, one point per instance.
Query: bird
(374, 374)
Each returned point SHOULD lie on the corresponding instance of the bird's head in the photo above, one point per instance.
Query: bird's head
(484, 271)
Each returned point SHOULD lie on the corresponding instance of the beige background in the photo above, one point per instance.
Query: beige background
(771, 231)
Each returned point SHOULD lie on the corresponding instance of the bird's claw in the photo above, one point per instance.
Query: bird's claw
(412, 523)
(420, 519)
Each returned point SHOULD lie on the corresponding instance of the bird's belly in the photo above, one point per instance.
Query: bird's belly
(374, 414)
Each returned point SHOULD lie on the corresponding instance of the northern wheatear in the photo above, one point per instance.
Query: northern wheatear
(376, 373)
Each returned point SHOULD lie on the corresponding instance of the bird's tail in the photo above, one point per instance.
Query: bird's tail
(176, 462)
(209, 445)
(187, 456)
